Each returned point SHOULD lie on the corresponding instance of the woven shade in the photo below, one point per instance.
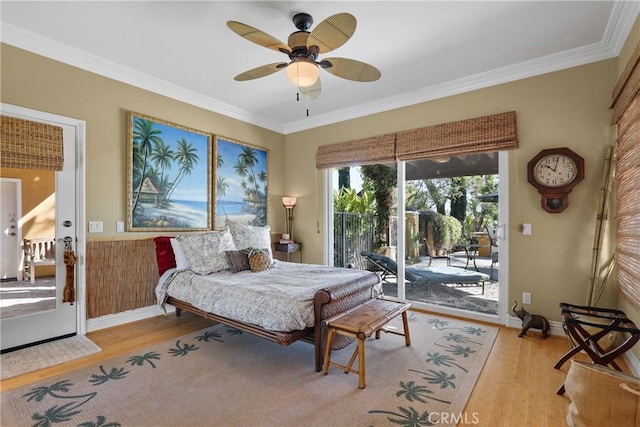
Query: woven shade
(627, 87)
(377, 149)
(628, 200)
(479, 135)
(30, 145)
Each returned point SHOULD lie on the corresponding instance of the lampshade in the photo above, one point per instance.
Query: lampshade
(289, 202)
(303, 73)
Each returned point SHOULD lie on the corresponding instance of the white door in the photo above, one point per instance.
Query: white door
(10, 233)
(64, 319)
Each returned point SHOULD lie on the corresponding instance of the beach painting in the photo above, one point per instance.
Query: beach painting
(241, 183)
(169, 176)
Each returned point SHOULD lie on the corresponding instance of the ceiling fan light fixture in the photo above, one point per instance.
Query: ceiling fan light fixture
(303, 73)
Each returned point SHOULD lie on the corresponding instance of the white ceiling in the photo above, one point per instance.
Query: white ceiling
(424, 49)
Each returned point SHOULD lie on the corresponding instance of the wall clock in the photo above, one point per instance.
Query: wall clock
(554, 172)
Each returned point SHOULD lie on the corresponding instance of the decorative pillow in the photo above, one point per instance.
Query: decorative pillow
(258, 259)
(206, 251)
(164, 254)
(238, 261)
(251, 236)
(181, 260)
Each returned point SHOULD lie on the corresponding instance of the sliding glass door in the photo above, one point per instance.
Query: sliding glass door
(435, 227)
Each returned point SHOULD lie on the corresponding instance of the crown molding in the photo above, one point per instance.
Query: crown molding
(621, 20)
(35, 43)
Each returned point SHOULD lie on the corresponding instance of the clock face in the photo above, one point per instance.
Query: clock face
(555, 170)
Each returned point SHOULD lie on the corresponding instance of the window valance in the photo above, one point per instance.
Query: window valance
(376, 149)
(30, 145)
(478, 135)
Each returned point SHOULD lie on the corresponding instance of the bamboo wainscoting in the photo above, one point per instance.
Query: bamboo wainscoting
(121, 276)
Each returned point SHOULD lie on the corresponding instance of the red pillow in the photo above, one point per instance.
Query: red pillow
(164, 254)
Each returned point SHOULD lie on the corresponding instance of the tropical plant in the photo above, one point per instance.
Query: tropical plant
(381, 181)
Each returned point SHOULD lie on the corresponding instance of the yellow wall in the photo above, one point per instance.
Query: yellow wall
(623, 59)
(35, 82)
(568, 108)
(565, 108)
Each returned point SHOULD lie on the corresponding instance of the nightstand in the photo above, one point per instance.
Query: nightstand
(286, 249)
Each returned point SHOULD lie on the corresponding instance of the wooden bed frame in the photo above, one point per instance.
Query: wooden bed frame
(327, 303)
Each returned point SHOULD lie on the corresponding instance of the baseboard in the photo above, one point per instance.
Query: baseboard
(556, 327)
(117, 319)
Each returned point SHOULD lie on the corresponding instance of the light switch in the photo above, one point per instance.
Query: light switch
(526, 229)
(119, 226)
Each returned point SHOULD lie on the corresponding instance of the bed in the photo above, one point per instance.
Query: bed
(285, 303)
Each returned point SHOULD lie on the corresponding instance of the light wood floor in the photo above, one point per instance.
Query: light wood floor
(516, 388)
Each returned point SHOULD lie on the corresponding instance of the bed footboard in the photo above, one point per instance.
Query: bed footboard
(333, 300)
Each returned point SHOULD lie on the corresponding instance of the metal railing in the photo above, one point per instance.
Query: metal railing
(353, 233)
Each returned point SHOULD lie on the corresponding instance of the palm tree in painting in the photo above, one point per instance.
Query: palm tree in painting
(145, 138)
(242, 170)
(187, 157)
(162, 157)
(221, 190)
(221, 183)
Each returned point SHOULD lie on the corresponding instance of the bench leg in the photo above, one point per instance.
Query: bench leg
(361, 369)
(327, 353)
(405, 324)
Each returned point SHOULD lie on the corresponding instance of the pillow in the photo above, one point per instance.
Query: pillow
(206, 251)
(238, 261)
(251, 236)
(181, 260)
(258, 259)
(164, 254)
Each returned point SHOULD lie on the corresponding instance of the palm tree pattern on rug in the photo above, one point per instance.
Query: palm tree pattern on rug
(408, 405)
(65, 412)
(412, 392)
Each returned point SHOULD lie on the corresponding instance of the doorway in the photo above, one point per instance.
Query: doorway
(50, 211)
(480, 250)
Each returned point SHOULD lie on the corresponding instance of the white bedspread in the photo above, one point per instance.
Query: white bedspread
(278, 299)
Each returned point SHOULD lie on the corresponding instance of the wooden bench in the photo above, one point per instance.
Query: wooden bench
(361, 322)
(38, 252)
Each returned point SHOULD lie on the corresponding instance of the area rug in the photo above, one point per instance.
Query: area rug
(221, 376)
(44, 355)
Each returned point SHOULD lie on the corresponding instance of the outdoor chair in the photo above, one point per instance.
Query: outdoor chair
(426, 275)
(603, 334)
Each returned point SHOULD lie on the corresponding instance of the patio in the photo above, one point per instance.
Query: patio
(466, 297)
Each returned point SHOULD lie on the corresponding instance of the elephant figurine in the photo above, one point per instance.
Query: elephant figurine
(529, 320)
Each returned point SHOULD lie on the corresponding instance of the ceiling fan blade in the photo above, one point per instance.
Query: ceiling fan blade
(258, 37)
(313, 91)
(262, 71)
(351, 69)
(333, 32)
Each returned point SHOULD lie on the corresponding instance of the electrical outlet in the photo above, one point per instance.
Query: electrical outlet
(526, 297)
(119, 226)
(96, 227)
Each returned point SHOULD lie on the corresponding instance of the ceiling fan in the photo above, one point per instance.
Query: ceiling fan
(303, 49)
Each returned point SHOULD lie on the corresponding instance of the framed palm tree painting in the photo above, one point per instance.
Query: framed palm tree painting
(241, 182)
(169, 176)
